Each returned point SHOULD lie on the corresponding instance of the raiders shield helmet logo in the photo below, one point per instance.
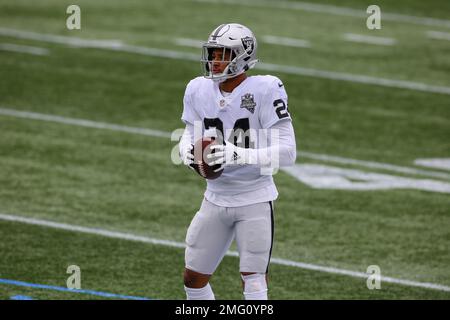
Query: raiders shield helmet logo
(248, 44)
(248, 102)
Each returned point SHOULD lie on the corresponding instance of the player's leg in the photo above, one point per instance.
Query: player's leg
(193, 279)
(208, 238)
(254, 238)
(196, 286)
(244, 274)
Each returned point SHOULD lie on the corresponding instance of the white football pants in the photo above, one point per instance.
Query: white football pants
(213, 228)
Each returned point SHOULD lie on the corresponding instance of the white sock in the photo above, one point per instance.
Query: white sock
(258, 295)
(255, 287)
(204, 293)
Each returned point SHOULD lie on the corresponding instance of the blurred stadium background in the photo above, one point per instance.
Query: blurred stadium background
(86, 176)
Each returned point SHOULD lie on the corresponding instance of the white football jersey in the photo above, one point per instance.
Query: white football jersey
(257, 103)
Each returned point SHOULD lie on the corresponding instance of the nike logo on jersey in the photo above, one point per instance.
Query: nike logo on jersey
(280, 84)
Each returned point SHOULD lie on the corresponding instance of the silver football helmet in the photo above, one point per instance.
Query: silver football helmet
(238, 45)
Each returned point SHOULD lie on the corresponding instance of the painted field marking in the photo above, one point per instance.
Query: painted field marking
(62, 289)
(373, 165)
(284, 41)
(327, 177)
(186, 42)
(83, 123)
(331, 75)
(435, 163)
(438, 35)
(19, 297)
(24, 49)
(333, 10)
(114, 45)
(53, 38)
(166, 134)
(359, 38)
(155, 52)
(169, 243)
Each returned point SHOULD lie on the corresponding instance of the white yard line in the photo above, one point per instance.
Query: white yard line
(331, 75)
(169, 243)
(186, 42)
(283, 41)
(24, 49)
(435, 163)
(166, 134)
(438, 35)
(83, 123)
(53, 38)
(114, 45)
(155, 52)
(359, 38)
(334, 10)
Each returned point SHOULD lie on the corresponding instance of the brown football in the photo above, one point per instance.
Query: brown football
(200, 151)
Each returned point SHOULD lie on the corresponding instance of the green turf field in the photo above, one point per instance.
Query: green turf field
(117, 181)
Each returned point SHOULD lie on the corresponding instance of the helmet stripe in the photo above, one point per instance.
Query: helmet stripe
(216, 34)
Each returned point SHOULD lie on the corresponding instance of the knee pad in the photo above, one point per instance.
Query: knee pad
(255, 283)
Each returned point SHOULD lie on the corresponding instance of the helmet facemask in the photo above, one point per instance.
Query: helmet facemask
(208, 60)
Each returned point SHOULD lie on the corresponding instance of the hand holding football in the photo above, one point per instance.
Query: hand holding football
(200, 151)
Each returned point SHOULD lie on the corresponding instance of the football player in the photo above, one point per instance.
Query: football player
(238, 204)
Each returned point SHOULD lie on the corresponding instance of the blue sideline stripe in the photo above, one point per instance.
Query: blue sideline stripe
(21, 298)
(91, 292)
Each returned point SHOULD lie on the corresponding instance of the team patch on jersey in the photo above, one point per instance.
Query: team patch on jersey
(248, 102)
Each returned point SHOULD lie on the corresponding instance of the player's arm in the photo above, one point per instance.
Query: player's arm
(186, 145)
(281, 147)
(189, 117)
(280, 152)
